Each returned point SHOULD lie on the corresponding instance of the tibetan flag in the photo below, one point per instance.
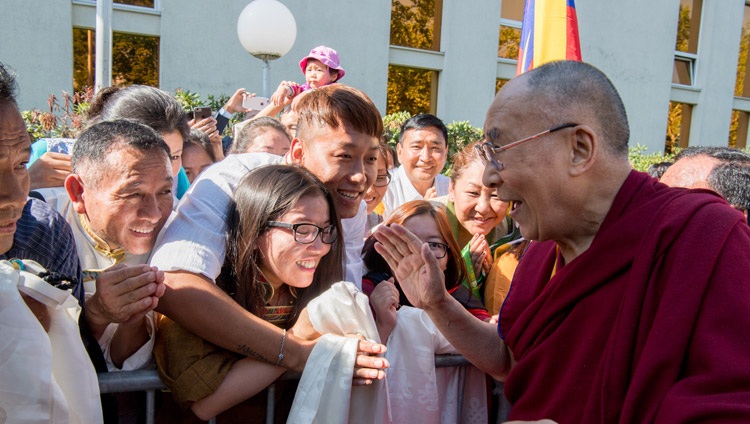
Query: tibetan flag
(549, 32)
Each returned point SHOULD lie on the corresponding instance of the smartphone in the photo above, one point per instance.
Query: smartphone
(202, 113)
(61, 145)
(255, 102)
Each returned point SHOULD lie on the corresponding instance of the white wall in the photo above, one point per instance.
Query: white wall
(36, 40)
(721, 28)
(200, 49)
(469, 39)
(633, 43)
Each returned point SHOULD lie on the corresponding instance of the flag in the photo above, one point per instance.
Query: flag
(549, 32)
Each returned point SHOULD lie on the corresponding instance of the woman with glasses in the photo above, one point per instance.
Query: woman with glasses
(376, 192)
(282, 251)
(428, 221)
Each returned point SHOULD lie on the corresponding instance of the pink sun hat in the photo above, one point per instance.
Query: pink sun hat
(326, 56)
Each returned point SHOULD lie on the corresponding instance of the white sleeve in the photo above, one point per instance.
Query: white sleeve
(141, 359)
(194, 239)
(353, 234)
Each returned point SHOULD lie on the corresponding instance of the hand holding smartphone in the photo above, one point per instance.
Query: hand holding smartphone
(254, 102)
(201, 113)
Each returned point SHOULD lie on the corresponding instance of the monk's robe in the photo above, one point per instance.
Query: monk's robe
(650, 324)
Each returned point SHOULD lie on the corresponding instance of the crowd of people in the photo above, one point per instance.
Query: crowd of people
(595, 292)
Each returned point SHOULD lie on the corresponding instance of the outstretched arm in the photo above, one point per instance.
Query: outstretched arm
(204, 309)
(417, 271)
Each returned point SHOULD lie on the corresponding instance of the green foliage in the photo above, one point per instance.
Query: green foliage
(61, 120)
(642, 161)
(509, 42)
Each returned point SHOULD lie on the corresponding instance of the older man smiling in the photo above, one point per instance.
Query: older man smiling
(422, 150)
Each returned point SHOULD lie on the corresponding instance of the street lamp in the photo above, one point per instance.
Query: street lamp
(267, 30)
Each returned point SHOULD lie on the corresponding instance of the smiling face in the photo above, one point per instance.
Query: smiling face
(344, 160)
(374, 194)
(426, 229)
(317, 74)
(283, 260)
(535, 176)
(15, 149)
(422, 153)
(132, 199)
(477, 206)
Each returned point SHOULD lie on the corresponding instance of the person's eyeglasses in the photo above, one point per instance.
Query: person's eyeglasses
(382, 180)
(489, 152)
(307, 233)
(438, 249)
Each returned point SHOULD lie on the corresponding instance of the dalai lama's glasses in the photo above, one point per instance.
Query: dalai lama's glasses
(489, 152)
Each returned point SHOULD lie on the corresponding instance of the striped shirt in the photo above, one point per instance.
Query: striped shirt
(42, 235)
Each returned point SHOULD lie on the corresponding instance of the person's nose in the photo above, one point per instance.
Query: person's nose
(483, 205)
(150, 209)
(424, 154)
(491, 176)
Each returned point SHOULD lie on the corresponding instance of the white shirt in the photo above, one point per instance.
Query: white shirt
(194, 239)
(93, 260)
(401, 190)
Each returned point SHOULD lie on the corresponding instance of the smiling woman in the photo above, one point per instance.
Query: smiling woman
(282, 251)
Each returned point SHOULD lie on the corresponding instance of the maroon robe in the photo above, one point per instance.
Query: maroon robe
(650, 324)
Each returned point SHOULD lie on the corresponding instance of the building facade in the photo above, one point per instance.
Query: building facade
(635, 42)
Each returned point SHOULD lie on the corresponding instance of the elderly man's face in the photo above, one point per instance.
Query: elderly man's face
(15, 149)
(133, 198)
(534, 173)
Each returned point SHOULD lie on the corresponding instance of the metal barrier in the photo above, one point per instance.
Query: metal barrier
(148, 381)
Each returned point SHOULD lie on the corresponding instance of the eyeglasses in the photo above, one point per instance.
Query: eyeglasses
(489, 152)
(382, 180)
(438, 249)
(307, 233)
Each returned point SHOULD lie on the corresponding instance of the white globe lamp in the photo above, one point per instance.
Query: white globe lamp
(267, 30)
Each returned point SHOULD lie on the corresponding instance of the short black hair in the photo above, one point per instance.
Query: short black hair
(732, 181)
(8, 84)
(722, 153)
(97, 141)
(421, 121)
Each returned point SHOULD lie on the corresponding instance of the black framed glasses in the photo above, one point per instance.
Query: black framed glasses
(489, 152)
(438, 249)
(307, 233)
(382, 180)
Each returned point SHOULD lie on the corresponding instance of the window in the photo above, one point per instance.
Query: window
(411, 90)
(686, 43)
(738, 129)
(141, 3)
(416, 23)
(135, 59)
(741, 85)
(511, 16)
(678, 126)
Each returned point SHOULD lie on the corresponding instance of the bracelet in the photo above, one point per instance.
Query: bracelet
(281, 349)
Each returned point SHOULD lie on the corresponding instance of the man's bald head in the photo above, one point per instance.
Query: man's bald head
(566, 91)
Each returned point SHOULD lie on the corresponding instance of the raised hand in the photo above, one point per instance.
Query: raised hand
(413, 265)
